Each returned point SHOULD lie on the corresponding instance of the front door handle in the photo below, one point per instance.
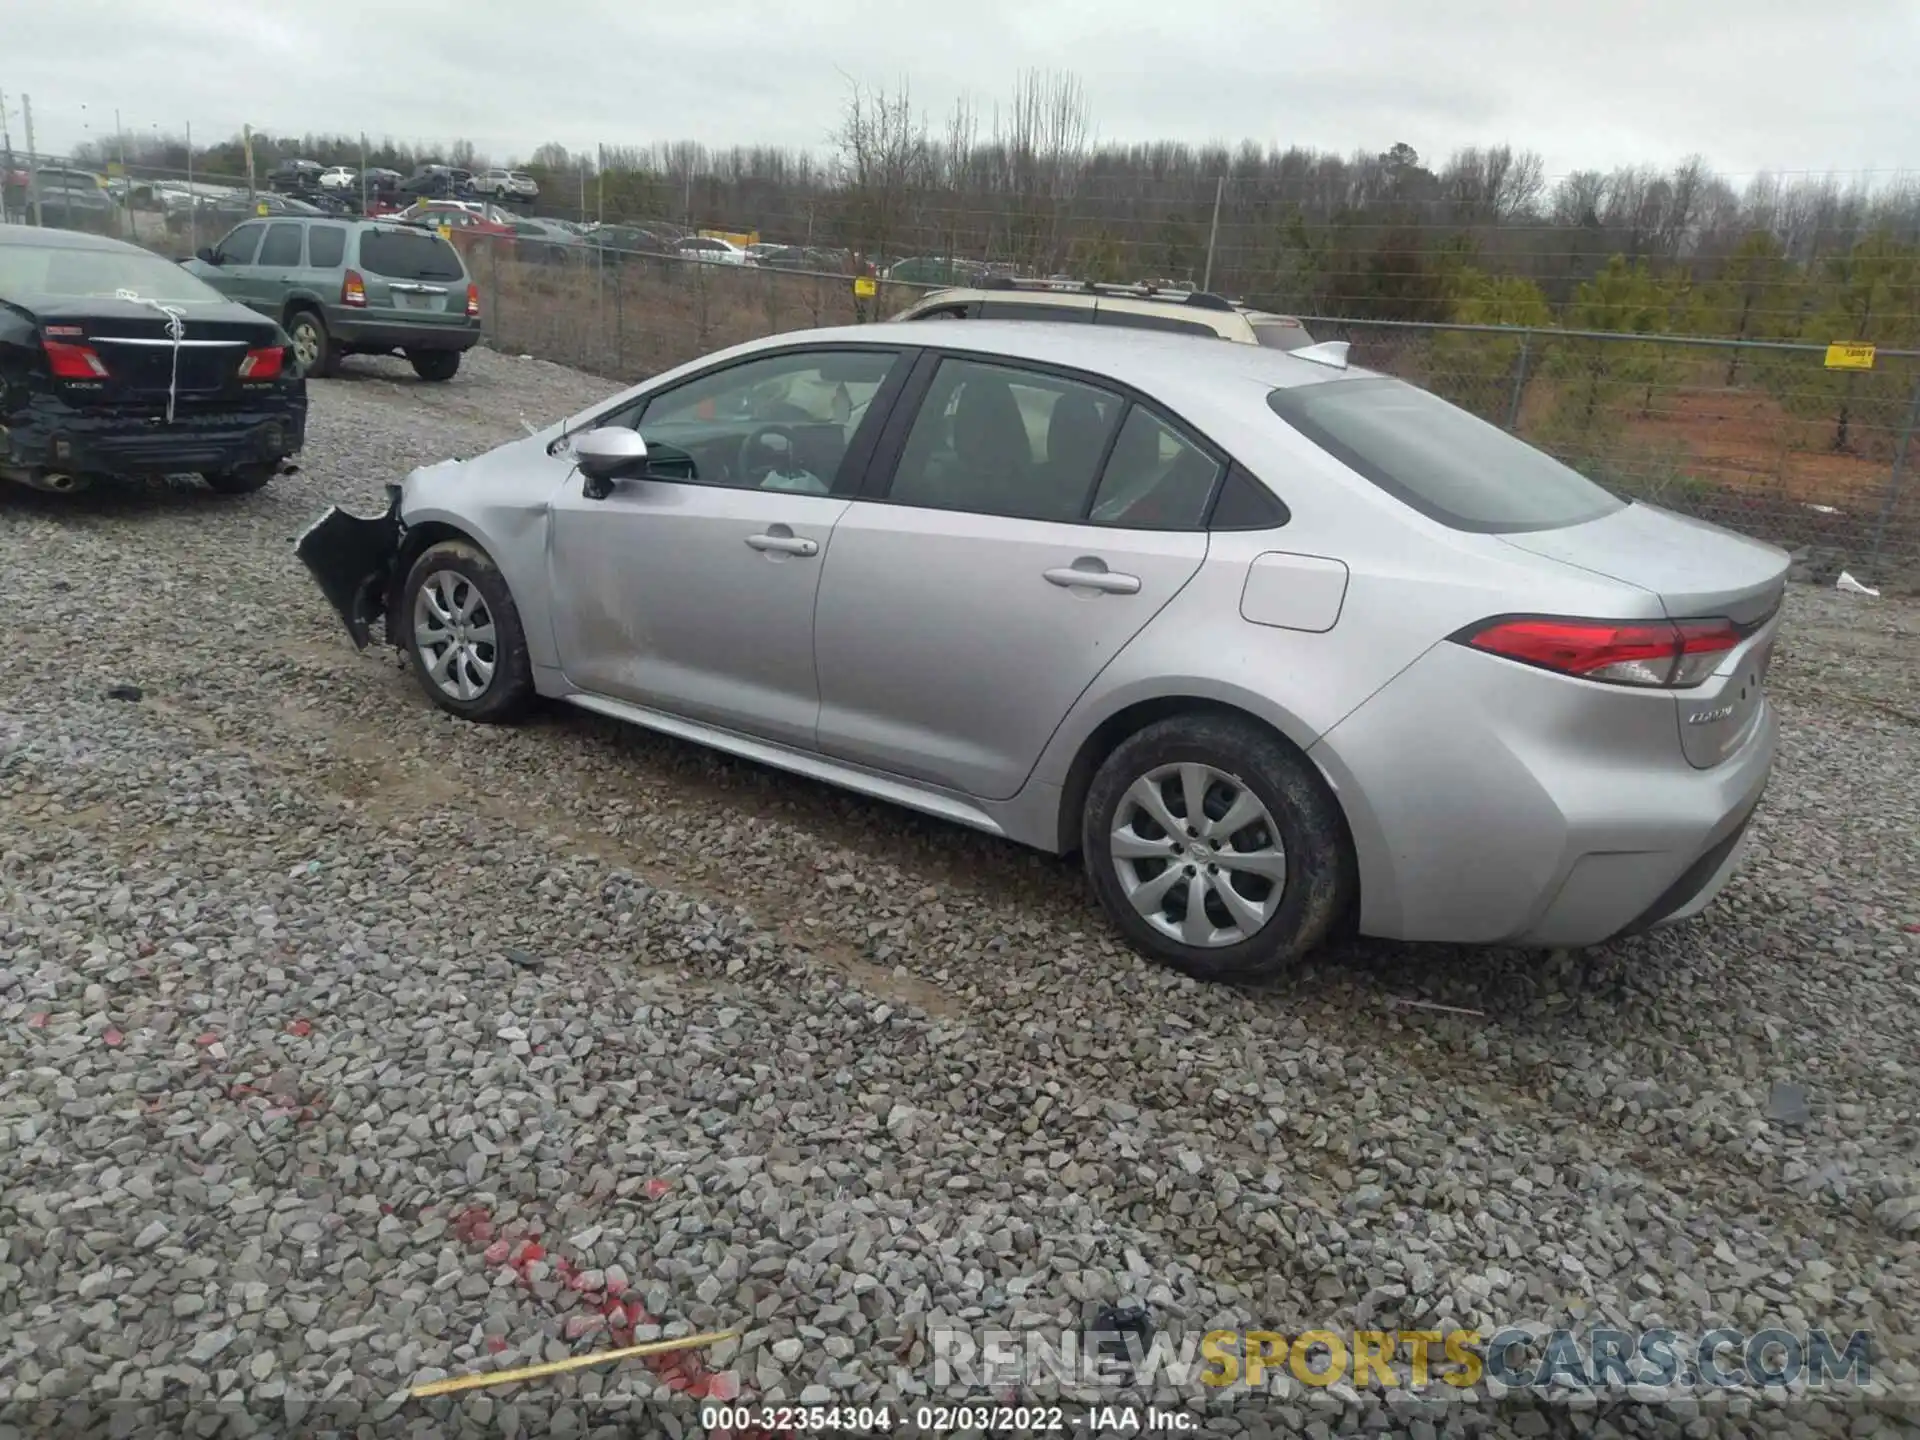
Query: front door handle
(784, 544)
(1107, 581)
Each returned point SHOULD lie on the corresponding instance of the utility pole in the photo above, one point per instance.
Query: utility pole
(193, 199)
(33, 177)
(1213, 235)
(120, 138)
(6, 158)
(363, 172)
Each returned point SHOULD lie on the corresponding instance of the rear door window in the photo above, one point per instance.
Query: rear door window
(996, 440)
(326, 246)
(282, 245)
(1156, 479)
(409, 255)
(1448, 464)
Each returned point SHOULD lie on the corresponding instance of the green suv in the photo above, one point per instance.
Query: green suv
(351, 287)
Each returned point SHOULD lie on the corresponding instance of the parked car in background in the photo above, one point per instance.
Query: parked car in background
(73, 199)
(803, 257)
(236, 205)
(515, 185)
(933, 270)
(545, 242)
(436, 182)
(352, 287)
(1254, 632)
(95, 384)
(710, 250)
(1065, 300)
(339, 177)
(631, 242)
(295, 177)
(467, 225)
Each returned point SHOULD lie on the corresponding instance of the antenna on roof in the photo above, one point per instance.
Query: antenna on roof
(1328, 352)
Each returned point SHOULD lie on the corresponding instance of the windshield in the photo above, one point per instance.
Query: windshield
(71, 273)
(1446, 463)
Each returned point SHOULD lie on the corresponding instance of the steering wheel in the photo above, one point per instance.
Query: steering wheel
(766, 449)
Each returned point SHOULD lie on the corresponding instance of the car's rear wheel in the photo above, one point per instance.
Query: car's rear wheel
(241, 480)
(463, 632)
(434, 364)
(313, 349)
(1216, 847)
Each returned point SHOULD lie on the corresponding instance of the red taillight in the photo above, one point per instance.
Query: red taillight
(473, 302)
(1660, 653)
(263, 364)
(353, 290)
(74, 362)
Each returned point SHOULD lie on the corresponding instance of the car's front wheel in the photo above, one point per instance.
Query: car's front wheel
(463, 632)
(1216, 847)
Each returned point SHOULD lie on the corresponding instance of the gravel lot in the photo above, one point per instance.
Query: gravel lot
(317, 1004)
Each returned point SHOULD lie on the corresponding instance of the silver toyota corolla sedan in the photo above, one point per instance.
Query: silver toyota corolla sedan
(1270, 640)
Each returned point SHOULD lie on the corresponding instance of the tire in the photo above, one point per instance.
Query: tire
(308, 332)
(1314, 863)
(448, 571)
(242, 481)
(434, 364)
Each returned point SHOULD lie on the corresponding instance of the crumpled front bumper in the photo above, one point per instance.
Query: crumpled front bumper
(354, 560)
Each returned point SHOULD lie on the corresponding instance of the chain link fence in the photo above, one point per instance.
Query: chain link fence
(1760, 437)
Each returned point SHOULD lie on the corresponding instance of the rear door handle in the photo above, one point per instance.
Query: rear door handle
(784, 544)
(1107, 581)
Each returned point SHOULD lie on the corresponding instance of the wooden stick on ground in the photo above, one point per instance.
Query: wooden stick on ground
(573, 1362)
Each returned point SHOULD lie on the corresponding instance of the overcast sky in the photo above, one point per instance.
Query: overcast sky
(1785, 85)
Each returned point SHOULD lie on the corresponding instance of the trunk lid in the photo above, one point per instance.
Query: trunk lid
(1699, 571)
(135, 345)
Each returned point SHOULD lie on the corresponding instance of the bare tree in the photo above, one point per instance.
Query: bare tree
(881, 148)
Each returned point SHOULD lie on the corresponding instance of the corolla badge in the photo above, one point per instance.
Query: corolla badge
(1710, 717)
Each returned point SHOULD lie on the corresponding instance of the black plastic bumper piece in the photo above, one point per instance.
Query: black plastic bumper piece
(111, 440)
(351, 559)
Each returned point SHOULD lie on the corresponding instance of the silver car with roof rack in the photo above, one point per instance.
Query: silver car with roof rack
(1180, 311)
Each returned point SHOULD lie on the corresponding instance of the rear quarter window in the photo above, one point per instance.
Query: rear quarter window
(409, 255)
(1440, 460)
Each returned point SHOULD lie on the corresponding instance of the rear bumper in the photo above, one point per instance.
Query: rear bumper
(351, 327)
(1491, 803)
(52, 435)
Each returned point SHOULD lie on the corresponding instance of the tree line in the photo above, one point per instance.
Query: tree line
(1482, 237)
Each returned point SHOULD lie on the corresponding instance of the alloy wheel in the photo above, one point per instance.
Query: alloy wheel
(1198, 855)
(453, 634)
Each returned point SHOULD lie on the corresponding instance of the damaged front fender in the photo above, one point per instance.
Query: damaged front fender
(353, 559)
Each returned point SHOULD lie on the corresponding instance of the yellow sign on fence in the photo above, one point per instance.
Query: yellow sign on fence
(1845, 355)
(864, 287)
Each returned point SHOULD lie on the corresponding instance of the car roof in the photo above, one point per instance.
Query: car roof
(50, 238)
(1153, 361)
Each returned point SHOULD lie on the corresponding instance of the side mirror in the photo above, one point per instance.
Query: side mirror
(206, 255)
(602, 454)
